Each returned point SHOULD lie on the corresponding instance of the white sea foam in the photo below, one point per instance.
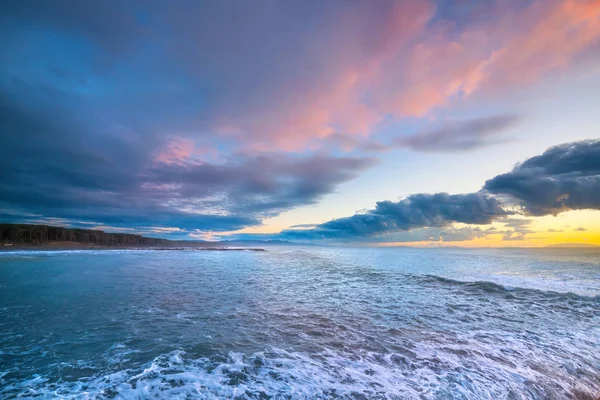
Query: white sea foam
(353, 324)
(281, 374)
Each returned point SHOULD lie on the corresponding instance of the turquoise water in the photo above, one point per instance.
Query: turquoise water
(301, 323)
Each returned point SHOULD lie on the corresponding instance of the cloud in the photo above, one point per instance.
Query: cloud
(493, 47)
(555, 230)
(564, 177)
(519, 227)
(425, 234)
(179, 66)
(459, 135)
(449, 136)
(303, 226)
(54, 166)
(161, 114)
(580, 229)
(516, 234)
(416, 211)
(516, 222)
(447, 234)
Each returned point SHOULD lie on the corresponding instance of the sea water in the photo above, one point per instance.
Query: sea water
(301, 323)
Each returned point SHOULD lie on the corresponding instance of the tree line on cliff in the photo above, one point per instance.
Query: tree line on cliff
(43, 234)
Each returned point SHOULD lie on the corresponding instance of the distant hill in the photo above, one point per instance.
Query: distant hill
(571, 245)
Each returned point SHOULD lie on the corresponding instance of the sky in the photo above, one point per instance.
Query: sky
(421, 122)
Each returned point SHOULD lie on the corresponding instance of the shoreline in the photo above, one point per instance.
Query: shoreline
(57, 246)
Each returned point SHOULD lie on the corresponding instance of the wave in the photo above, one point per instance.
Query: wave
(493, 287)
(278, 374)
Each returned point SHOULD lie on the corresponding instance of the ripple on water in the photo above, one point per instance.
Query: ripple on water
(309, 324)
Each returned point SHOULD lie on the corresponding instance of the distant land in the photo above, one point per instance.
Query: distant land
(15, 236)
(571, 245)
(28, 236)
(272, 242)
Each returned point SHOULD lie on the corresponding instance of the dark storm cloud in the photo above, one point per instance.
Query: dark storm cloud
(93, 94)
(108, 110)
(181, 66)
(226, 67)
(54, 166)
(564, 177)
(416, 211)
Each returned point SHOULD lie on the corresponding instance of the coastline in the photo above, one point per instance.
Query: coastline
(65, 245)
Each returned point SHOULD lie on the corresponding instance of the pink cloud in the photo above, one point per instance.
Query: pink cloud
(554, 33)
(408, 77)
(517, 47)
(362, 64)
(301, 84)
(180, 149)
(176, 151)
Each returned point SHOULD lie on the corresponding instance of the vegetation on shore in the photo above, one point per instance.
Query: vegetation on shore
(17, 234)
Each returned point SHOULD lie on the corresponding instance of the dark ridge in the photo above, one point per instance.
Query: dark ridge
(17, 234)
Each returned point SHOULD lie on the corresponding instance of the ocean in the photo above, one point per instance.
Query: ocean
(301, 323)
